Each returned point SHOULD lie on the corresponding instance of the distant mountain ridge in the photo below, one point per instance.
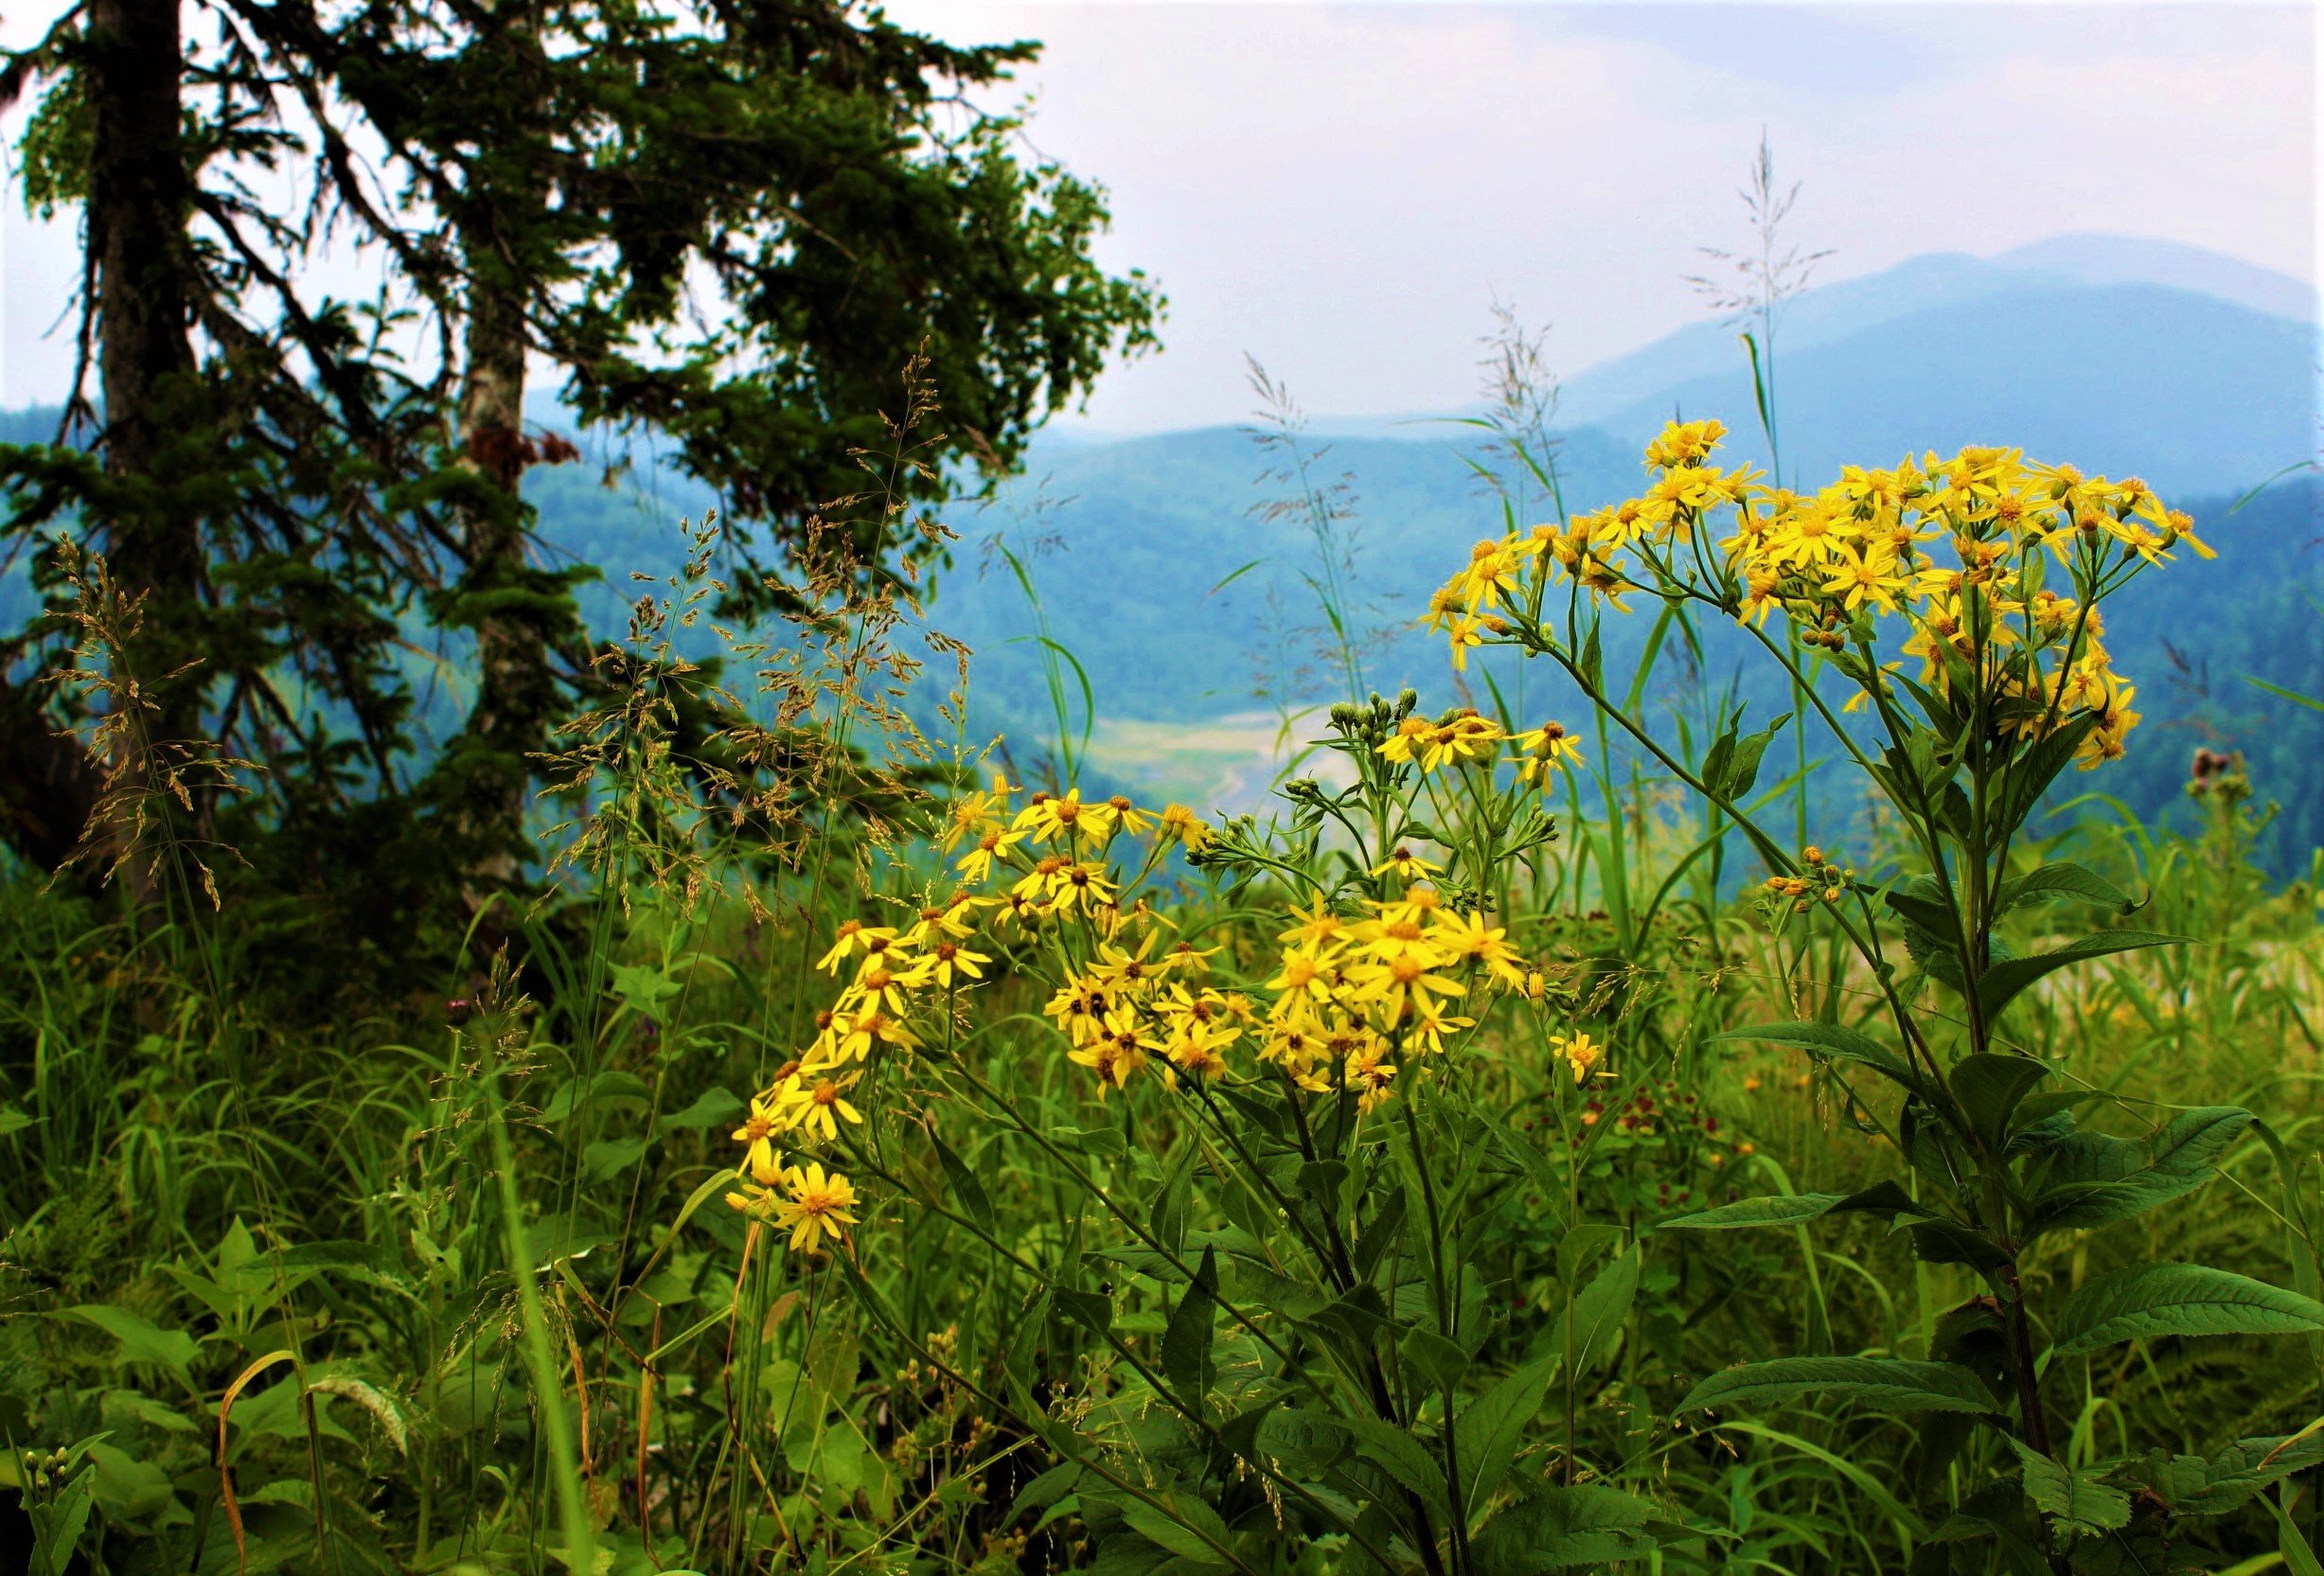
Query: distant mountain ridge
(2120, 356)
(1964, 305)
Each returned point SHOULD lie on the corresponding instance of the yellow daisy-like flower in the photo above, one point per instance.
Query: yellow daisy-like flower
(1402, 982)
(1080, 884)
(1472, 938)
(817, 1207)
(818, 1107)
(976, 811)
(976, 864)
(854, 936)
(858, 1033)
(1406, 864)
(1578, 1052)
(949, 963)
(1304, 983)
(757, 1132)
(1544, 749)
(1178, 822)
(1051, 819)
(1372, 1076)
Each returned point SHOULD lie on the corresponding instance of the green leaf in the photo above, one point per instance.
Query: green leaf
(1187, 1526)
(1492, 1426)
(1989, 1084)
(967, 1191)
(2179, 1300)
(606, 1088)
(1833, 1041)
(2001, 983)
(1186, 1342)
(1047, 1489)
(1168, 1220)
(141, 1341)
(1094, 1310)
(1884, 1384)
(1950, 1242)
(1793, 1209)
(58, 1526)
(1309, 1441)
(2195, 1486)
(1779, 1209)
(1355, 1315)
(1731, 764)
(1438, 1358)
(127, 1488)
(2062, 880)
(2074, 1499)
(1561, 1528)
(1399, 1455)
(1594, 1319)
(2091, 1178)
(713, 1107)
(2298, 1556)
(643, 987)
(2032, 772)
(606, 1159)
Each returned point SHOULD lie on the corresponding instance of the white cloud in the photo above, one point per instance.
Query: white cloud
(1341, 190)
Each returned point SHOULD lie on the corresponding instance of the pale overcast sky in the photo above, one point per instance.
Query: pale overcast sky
(1341, 190)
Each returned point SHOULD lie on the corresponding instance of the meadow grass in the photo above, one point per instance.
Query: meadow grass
(469, 1273)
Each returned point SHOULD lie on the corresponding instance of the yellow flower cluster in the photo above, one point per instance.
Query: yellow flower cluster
(1049, 894)
(1054, 856)
(1868, 545)
(1466, 735)
(1350, 995)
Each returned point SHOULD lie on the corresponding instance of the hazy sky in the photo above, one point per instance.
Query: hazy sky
(1341, 190)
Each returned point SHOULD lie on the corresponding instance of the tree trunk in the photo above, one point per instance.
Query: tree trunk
(138, 200)
(515, 690)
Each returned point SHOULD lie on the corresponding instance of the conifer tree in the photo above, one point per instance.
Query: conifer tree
(727, 224)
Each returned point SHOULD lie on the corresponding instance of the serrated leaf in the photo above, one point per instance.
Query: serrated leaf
(1885, 1384)
(1562, 1528)
(2154, 1300)
(1187, 1527)
(2001, 983)
(2075, 1499)
(1309, 1441)
(2213, 1487)
(1492, 1426)
(1399, 1455)
(2063, 880)
(2090, 1178)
